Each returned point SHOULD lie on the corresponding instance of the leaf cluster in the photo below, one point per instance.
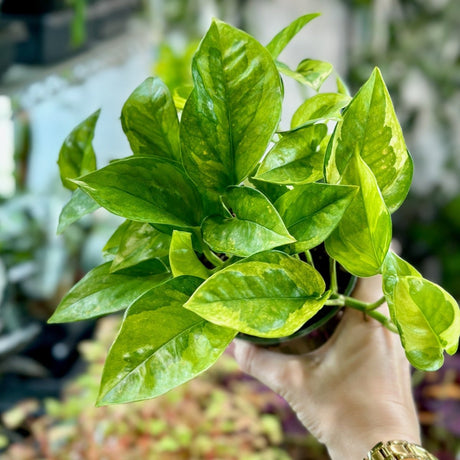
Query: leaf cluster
(223, 210)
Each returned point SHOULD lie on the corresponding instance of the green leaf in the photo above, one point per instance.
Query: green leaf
(79, 205)
(312, 211)
(145, 189)
(182, 256)
(341, 86)
(394, 268)
(149, 120)
(271, 191)
(233, 112)
(282, 39)
(269, 294)
(101, 292)
(76, 156)
(256, 226)
(160, 345)
(362, 238)
(324, 106)
(428, 319)
(139, 243)
(296, 158)
(113, 243)
(309, 72)
(370, 127)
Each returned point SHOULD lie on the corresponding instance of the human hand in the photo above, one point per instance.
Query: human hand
(352, 392)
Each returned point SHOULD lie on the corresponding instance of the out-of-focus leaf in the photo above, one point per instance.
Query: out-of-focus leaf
(79, 205)
(309, 72)
(76, 156)
(282, 38)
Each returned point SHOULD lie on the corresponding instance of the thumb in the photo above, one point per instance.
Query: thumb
(273, 369)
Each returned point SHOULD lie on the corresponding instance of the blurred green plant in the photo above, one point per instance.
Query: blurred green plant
(173, 67)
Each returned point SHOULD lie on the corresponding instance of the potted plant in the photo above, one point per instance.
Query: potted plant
(58, 29)
(220, 234)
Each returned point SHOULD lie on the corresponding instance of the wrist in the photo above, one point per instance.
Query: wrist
(354, 437)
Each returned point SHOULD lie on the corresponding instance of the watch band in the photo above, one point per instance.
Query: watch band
(398, 450)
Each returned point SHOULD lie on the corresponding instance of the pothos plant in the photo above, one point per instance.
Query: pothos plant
(224, 212)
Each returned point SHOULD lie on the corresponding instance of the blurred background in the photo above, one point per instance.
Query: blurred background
(60, 60)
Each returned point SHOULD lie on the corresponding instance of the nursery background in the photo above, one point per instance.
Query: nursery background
(60, 60)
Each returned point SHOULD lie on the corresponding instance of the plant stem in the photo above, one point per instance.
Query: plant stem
(212, 257)
(367, 308)
(333, 274)
(309, 258)
(362, 306)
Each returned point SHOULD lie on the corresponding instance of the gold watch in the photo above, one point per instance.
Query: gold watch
(398, 450)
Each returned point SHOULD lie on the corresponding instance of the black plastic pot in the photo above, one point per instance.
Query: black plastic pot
(32, 6)
(108, 18)
(49, 26)
(49, 37)
(10, 34)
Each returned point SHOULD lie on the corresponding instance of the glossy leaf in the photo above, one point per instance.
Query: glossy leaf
(145, 189)
(269, 294)
(296, 158)
(182, 257)
(311, 212)
(113, 243)
(370, 127)
(309, 72)
(394, 268)
(341, 86)
(160, 345)
(362, 238)
(271, 191)
(149, 120)
(76, 156)
(101, 292)
(139, 243)
(79, 205)
(256, 225)
(428, 319)
(324, 106)
(282, 38)
(233, 112)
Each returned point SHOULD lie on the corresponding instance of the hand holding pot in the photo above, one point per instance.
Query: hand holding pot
(352, 392)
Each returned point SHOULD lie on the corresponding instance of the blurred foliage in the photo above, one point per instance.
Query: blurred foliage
(417, 46)
(220, 415)
(416, 43)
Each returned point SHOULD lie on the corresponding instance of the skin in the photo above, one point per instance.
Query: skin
(352, 392)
